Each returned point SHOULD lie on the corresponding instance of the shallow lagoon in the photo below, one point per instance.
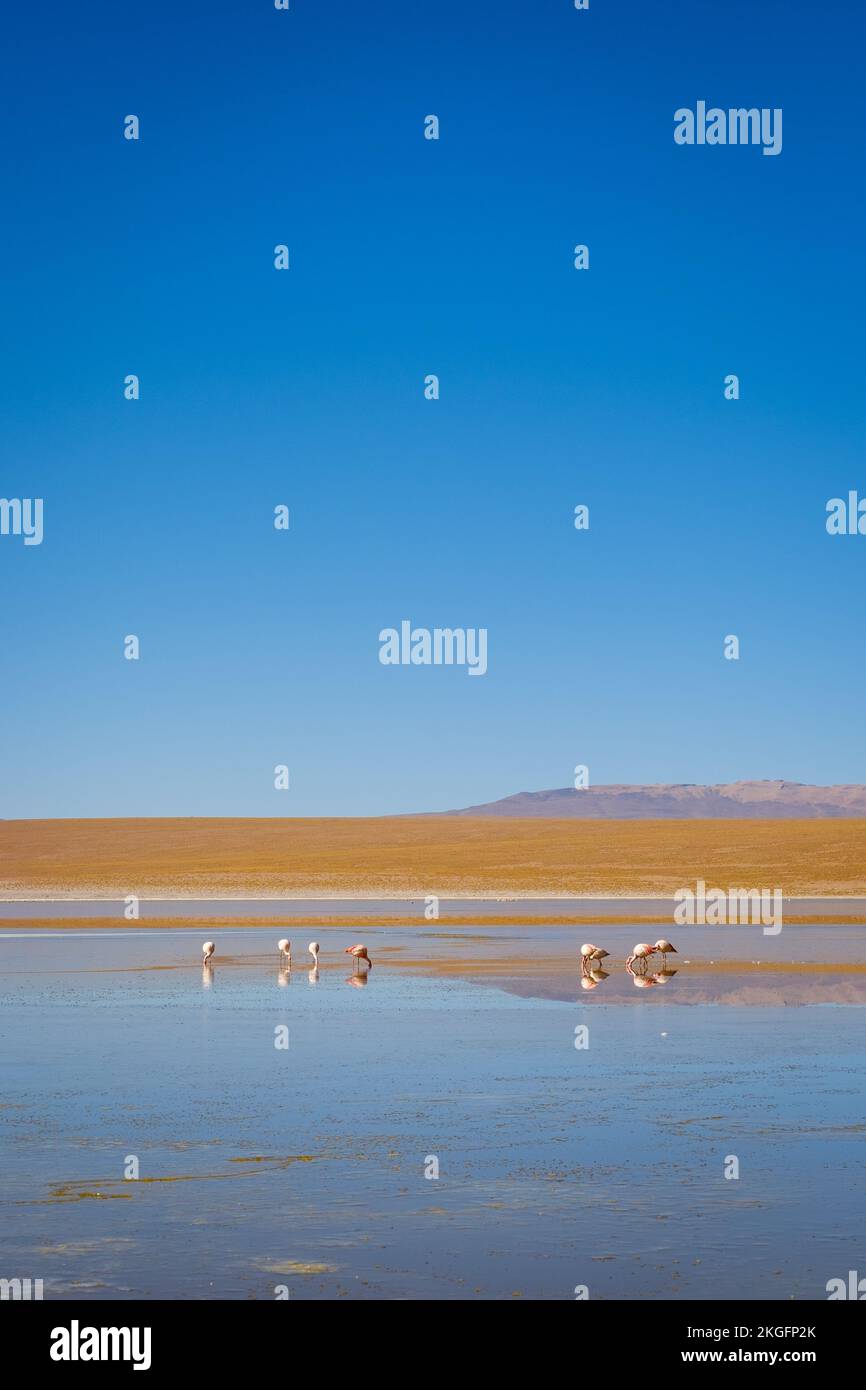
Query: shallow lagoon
(262, 1167)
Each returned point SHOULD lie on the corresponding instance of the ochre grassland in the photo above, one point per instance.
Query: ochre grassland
(413, 856)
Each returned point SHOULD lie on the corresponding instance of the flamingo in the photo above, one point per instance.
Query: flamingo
(642, 952)
(313, 949)
(666, 949)
(589, 952)
(207, 951)
(359, 953)
(285, 949)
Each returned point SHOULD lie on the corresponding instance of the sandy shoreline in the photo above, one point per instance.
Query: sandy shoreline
(625, 896)
(380, 923)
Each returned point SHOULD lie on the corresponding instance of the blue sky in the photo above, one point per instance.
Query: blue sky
(305, 387)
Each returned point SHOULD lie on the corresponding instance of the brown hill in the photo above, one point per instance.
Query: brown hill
(683, 801)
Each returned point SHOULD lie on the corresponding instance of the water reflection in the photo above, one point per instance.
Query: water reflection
(591, 979)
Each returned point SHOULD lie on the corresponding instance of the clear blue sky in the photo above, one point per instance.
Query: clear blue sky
(305, 387)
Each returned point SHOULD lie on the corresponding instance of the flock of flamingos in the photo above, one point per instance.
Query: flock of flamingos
(592, 974)
(591, 969)
(358, 953)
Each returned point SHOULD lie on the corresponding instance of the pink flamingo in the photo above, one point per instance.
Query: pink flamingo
(591, 953)
(666, 949)
(641, 952)
(359, 953)
(207, 951)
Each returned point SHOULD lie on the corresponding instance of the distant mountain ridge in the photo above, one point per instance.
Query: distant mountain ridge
(682, 801)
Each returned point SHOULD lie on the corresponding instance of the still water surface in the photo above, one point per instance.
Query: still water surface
(303, 1168)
